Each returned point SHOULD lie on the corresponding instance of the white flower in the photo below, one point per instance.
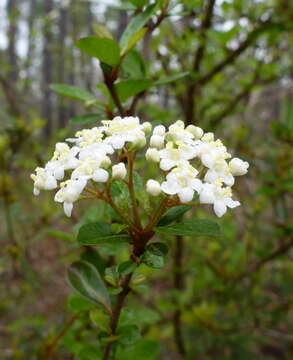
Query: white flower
(153, 187)
(159, 130)
(147, 127)
(219, 196)
(122, 130)
(177, 132)
(119, 171)
(157, 141)
(152, 154)
(90, 169)
(171, 156)
(196, 131)
(183, 182)
(43, 180)
(238, 167)
(69, 192)
(208, 137)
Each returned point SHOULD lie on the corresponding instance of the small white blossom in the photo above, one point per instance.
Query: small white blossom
(153, 187)
(238, 167)
(119, 171)
(157, 141)
(183, 182)
(152, 154)
(69, 192)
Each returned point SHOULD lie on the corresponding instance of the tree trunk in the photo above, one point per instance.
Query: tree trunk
(31, 45)
(12, 32)
(62, 63)
(47, 110)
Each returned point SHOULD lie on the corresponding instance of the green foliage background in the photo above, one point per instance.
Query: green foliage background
(225, 66)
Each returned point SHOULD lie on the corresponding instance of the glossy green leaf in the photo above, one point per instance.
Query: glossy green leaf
(87, 282)
(129, 88)
(191, 227)
(72, 92)
(173, 214)
(91, 256)
(133, 65)
(104, 49)
(134, 39)
(153, 261)
(136, 24)
(101, 319)
(78, 303)
(99, 232)
(126, 267)
(171, 78)
(158, 249)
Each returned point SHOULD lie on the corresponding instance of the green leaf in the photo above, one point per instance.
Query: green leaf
(129, 334)
(153, 261)
(158, 248)
(112, 276)
(136, 24)
(142, 349)
(86, 281)
(191, 227)
(173, 214)
(60, 234)
(99, 232)
(134, 39)
(91, 256)
(171, 78)
(89, 352)
(106, 50)
(78, 303)
(102, 32)
(72, 92)
(101, 319)
(138, 3)
(83, 119)
(133, 65)
(126, 267)
(129, 88)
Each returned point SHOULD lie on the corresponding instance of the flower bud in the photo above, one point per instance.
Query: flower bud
(152, 154)
(159, 130)
(195, 130)
(208, 137)
(157, 141)
(238, 167)
(106, 162)
(153, 187)
(147, 127)
(119, 171)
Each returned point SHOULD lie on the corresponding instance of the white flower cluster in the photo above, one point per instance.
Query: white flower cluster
(194, 162)
(191, 162)
(89, 158)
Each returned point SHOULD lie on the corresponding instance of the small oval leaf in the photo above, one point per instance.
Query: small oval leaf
(191, 227)
(87, 282)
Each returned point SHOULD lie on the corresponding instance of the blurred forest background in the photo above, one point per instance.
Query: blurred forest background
(233, 61)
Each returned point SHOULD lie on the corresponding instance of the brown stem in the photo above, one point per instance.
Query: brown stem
(52, 346)
(179, 285)
(116, 313)
(109, 82)
(130, 157)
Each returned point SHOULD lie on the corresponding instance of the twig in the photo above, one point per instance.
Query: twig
(233, 55)
(52, 346)
(179, 285)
